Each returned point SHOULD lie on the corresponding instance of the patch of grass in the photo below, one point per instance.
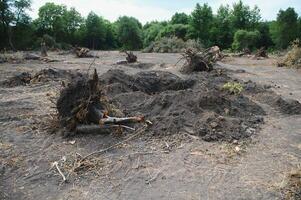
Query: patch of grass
(233, 88)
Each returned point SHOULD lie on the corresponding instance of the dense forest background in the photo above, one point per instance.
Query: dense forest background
(233, 27)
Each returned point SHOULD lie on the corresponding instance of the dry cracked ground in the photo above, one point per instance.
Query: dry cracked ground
(181, 166)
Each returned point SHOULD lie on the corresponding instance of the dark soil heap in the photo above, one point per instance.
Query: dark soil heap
(148, 82)
(45, 75)
(282, 105)
(18, 80)
(195, 105)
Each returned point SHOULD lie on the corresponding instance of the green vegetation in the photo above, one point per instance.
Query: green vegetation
(233, 88)
(232, 27)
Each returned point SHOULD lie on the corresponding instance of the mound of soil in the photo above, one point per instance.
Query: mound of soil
(148, 82)
(174, 105)
(52, 74)
(44, 75)
(280, 104)
(17, 80)
(140, 65)
(284, 106)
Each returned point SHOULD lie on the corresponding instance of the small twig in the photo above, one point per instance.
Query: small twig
(56, 165)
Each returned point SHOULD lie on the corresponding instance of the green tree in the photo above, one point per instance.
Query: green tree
(174, 30)
(201, 23)
(96, 31)
(180, 18)
(151, 32)
(58, 22)
(245, 18)
(51, 20)
(111, 36)
(12, 16)
(286, 29)
(265, 36)
(129, 33)
(221, 33)
(73, 21)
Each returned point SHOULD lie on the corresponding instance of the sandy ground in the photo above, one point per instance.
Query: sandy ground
(152, 168)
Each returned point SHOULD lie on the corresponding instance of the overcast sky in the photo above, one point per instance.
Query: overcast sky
(149, 10)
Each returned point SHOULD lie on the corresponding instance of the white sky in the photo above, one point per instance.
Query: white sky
(148, 10)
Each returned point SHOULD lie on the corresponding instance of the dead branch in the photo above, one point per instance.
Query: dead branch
(125, 120)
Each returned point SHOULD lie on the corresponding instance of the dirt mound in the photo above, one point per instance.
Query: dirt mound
(174, 105)
(44, 75)
(262, 94)
(284, 106)
(140, 65)
(148, 82)
(17, 80)
(52, 74)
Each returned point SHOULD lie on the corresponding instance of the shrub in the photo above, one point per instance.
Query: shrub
(233, 87)
(245, 39)
(171, 45)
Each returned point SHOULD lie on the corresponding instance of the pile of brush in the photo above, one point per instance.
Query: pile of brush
(293, 57)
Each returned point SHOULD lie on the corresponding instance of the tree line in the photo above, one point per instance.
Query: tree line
(233, 27)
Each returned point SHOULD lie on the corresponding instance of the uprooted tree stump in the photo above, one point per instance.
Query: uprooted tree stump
(83, 103)
(131, 57)
(261, 53)
(84, 53)
(198, 61)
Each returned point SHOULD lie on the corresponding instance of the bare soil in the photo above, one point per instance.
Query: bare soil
(204, 144)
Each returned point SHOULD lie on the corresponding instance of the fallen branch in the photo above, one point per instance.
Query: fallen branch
(119, 121)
